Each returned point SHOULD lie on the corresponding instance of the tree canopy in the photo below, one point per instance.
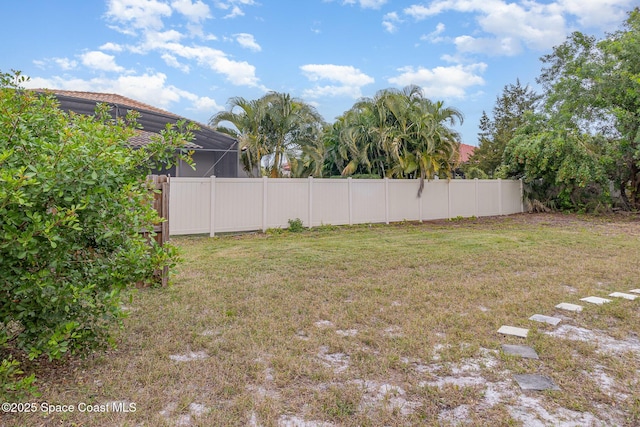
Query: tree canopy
(507, 116)
(272, 130)
(591, 116)
(397, 133)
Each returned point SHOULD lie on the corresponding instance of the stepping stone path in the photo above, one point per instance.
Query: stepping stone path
(535, 382)
(511, 330)
(623, 295)
(545, 319)
(595, 300)
(569, 307)
(520, 350)
(539, 382)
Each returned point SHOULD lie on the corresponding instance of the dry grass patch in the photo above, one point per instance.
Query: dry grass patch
(376, 325)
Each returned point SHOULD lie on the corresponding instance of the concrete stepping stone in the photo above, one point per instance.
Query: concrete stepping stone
(535, 382)
(630, 297)
(198, 355)
(520, 350)
(511, 330)
(635, 291)
(569, 307)
(595, 300)
(545, 319)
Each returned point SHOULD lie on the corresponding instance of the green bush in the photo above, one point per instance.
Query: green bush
(73, 201)
(295, 225)
(14, 385)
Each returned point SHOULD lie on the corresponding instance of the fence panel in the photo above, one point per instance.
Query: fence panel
(462, 198)
(488, 198)
(213, 205)
(511, 197)
(404, 203)
(330, 201)
(368, 201)
(238, 205)
(287, 199)
(435, 200)
(189, 206)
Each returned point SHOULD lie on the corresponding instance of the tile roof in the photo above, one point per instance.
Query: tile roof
(151, 118)
(465, 152)
(109, 98)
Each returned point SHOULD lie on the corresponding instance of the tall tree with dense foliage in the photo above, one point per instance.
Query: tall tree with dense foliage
(273, 129)
(73, 202)
(507, 116)
(594, 87)
(562, 166)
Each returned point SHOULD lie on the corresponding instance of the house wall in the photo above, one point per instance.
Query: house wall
(215, 205)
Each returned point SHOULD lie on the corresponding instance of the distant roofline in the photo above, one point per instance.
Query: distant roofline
(109, 98)
(206, 138)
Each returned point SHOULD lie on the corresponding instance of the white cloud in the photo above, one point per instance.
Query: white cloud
(235, 11)
(367, 4)
(158, 39)
(238, 73)
(344, 74)
(491, 46)
(420, 12)
(113, 47)
(146, 16)
(234, 6)
(172, 61)
(390, 21)
(100, 61)
(65, 63)
(506, 27)
(141, 14)
(598, 13)
(442, 82)
(206, 105)
(349, 80)
(247, 41)
(196, 11)
(434, 36)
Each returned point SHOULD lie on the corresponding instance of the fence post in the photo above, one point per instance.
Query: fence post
(420, 203)
(477, 198)
(499, 196)
(349, 195)
(521, 196)
(386, 200)
(264, 204)
(212, 206)
(448, 199)
(310, 201)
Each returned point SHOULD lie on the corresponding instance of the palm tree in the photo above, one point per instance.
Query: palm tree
(246, 118)
(276, 128)
(399, 133)
(431, 142)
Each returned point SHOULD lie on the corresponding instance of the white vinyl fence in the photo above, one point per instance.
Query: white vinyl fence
(219, 205)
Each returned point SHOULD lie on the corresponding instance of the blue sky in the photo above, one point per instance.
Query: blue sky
(190, 56)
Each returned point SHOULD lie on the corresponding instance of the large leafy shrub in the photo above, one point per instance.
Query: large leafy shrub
(73, 203)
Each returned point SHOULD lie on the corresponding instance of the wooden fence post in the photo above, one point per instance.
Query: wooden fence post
(161, 205)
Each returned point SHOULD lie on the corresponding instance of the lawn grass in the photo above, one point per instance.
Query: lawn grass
(375, 325)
